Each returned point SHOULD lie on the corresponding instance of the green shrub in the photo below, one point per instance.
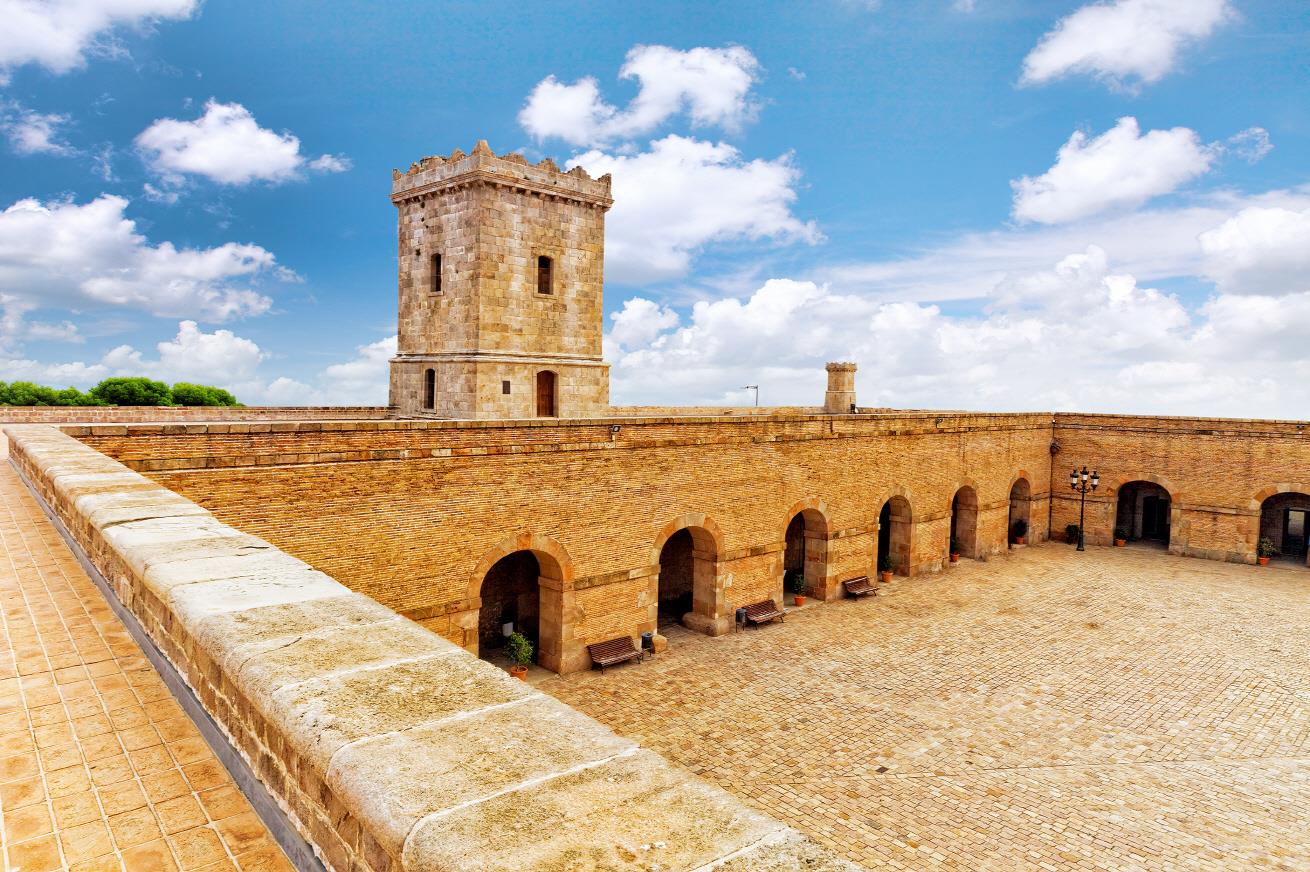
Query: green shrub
(187, 394)
(1020, 528)
(1071, 534)
(133, 392)
(884, 563)
(24, 393)
(794, 579)
(1266, 548)
(519, 649)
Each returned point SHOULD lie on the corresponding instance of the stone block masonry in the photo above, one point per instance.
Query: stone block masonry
(388, 747)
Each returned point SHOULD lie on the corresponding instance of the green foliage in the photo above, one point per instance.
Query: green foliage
(133, 392)
(795, 580)
(955, 545)
(187, 394)
(1071, 534)
(1266, 548)
(884, 563)
(1121, 533)
(1020, 528)
(24, 393)
(519, 649)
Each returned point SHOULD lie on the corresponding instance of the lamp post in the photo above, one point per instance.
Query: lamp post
(1079, 481)
(755, 388)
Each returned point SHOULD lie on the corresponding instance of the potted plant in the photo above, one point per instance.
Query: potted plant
(955, 550)
(1020, 531)
(885, 567)
(795, 579)
(1120, 537)
(1264, 550)
(519, 650)
(1071, 534)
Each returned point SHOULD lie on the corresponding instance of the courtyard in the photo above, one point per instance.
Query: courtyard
(1118, 709)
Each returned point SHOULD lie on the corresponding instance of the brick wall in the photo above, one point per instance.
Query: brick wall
(409, 513)
(1218, 472)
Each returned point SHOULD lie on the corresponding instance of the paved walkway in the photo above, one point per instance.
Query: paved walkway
(1121, 709)
(99, 767)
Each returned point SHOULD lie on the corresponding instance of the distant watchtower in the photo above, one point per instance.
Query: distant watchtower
(501, 268)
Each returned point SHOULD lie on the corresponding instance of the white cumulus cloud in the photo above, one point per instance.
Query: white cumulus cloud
(226, 145)
(1125, 43)
(1121, 168)
(712, 85)
(1260, 250)
(685, 193)
(59, 34)
(62, 253)
(1080, 336)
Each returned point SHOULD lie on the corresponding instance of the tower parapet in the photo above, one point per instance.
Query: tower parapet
(500, 283)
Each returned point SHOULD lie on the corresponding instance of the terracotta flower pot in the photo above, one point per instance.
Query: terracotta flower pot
(955, 558)
(1119, 543)
(519, 672)
(1018, 540)
(800, 600)
(886, 576)
(1264, 561)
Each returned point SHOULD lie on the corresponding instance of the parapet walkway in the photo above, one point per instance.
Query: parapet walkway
(99, 767)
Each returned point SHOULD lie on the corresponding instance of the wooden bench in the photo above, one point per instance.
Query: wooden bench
(611, 652)
(763, 612)
(858, 587)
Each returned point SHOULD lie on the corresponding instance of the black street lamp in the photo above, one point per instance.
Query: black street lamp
(1079, 480)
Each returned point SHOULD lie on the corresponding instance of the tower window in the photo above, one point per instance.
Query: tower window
(436, 273)
(504, 387)
(430, 389)
(544, 276)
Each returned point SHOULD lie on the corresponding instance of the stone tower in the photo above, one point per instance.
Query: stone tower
(501, 267)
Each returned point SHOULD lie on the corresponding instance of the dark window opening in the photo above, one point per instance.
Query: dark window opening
(430, 389)
(504, 387)
(436, 273)
(544, 276)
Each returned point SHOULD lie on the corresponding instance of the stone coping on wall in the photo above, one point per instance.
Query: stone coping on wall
(388, 747)
(139, 414)
(173, 447)
(1243, 427)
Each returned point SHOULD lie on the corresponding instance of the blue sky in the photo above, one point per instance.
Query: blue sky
(991, 204)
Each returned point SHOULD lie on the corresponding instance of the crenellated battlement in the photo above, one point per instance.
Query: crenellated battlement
(483, 166)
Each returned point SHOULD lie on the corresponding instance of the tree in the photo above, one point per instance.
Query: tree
(187, 394)
(133, 392)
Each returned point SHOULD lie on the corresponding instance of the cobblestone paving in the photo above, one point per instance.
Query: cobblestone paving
(1122, 709)
(99, 767)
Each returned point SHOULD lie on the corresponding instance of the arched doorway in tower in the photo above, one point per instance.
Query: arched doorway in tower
(685, 588)
(964, 522)
(512, 602)
(1021, 495)
(894, 535)
(806, 552)
(1142, 513)
(1285, 520)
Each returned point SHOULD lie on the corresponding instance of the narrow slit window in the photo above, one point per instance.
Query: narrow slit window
(430, 389)
(436, 273)
(544, 275)
(504, 387)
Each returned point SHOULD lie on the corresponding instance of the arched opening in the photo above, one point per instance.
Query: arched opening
(511, 595)
(964, 522)
(806, 553)
(894, 535)
(1020, 523)
(430, 389)
(686, 586)
(546, 394)
(1142, 513)
(1285, 520)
